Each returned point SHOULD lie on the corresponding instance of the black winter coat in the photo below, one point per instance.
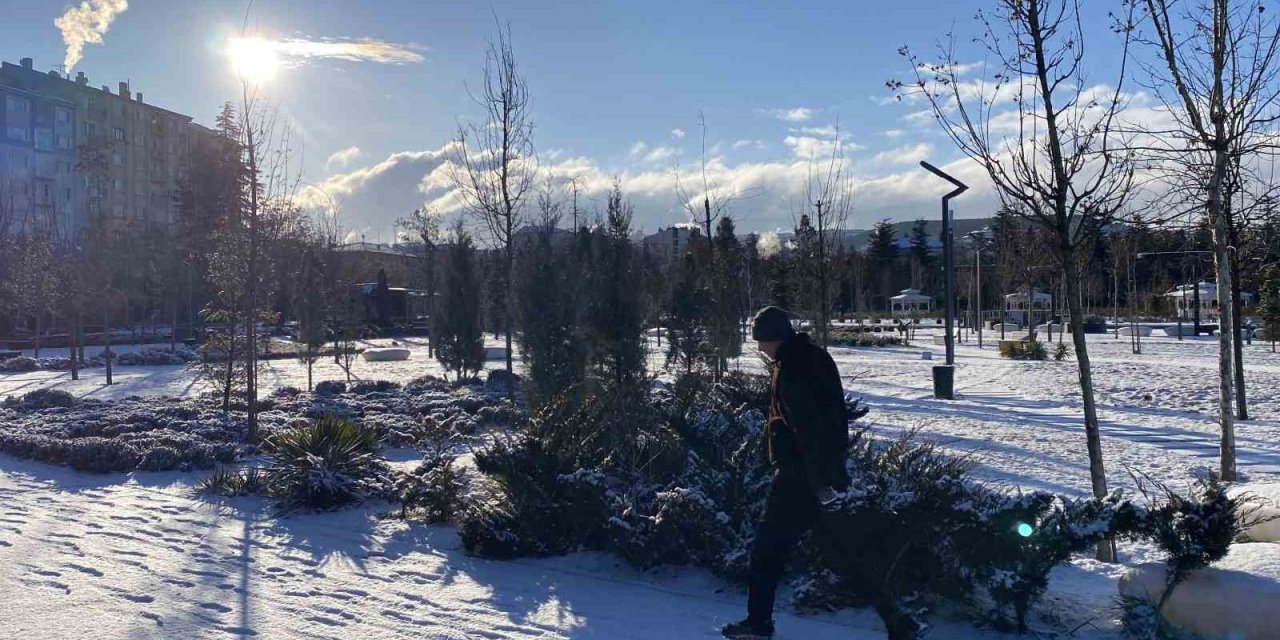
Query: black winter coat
(807, 435)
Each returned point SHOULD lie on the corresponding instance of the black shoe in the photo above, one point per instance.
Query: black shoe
(748, 630)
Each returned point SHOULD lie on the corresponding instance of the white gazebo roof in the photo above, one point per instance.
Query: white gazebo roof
(1208, 291)
(911, 295)
(1036, 296)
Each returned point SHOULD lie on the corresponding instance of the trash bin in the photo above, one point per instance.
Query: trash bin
(944, 382)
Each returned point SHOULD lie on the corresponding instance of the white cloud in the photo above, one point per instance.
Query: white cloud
(677, 133)
(738, 144)
(343, 158)
(906, 154)
(892, 133)
(371, 198)
(794, 114)
(638, 149)
(658, 154)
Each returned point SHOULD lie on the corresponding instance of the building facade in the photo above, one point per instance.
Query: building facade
(69, 151)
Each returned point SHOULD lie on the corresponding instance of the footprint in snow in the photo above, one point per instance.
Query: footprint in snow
(213, 606)
(85, 570)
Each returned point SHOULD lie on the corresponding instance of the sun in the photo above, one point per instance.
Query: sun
(253, 59)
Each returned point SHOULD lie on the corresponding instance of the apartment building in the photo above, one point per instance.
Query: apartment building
(70, 151)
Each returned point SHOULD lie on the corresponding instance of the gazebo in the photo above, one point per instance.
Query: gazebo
(909, 302)
(1184, 296)
(1023, 307)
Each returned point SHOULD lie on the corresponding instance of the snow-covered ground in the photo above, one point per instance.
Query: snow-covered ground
(143, 556)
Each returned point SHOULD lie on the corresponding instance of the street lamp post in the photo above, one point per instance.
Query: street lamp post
(944, 376)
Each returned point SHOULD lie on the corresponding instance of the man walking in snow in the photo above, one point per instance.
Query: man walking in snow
(807, 439)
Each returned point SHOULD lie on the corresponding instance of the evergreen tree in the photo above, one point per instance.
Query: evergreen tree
(882, 257)
(458, 333)
(1269, 307)
(726, 295)
(613, 321)
(688, 342)
(547, 311)
(804, 271)
(921, 255)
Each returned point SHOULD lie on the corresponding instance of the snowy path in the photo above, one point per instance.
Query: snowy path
(88, 556)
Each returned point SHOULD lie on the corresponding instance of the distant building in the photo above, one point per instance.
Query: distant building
(910, 302)
(1185, 298)
(69, 151)
(671, 242)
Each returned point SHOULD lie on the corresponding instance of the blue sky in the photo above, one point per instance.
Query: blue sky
(613, 86)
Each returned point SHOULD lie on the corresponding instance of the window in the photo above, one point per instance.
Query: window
(118, 134)
(62, 116)
(16, 106)
(18, 132)
(119, 184)
(64, 142)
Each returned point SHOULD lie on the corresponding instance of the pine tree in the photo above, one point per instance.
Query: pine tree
(921, 255)
(458, 333)
(688, 342)
(613, 321)
(547, 311)
(1269, 307)
(727, 294)
(882, 254)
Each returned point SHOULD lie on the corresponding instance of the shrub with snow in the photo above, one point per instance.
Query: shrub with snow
(324, 464)
(20, 364)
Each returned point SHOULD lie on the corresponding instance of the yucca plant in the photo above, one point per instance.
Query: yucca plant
(322, 465)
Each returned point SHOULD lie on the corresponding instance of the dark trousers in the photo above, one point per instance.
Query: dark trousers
(790, 511)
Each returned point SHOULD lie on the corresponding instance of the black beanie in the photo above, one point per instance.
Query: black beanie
(771, 324)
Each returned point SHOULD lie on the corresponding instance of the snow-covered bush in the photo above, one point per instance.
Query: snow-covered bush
(1023, 350)
(433, 489)
(374, 386)
(134, 433)
(41, 399)
(330, 387)
(849, 338)
(324, 464)
(20, 364)
(525, 507)
(230, 482)
(156, 356)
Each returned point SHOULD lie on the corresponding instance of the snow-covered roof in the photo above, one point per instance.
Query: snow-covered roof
(1037, 296)
(1208, 290)
(911, 295)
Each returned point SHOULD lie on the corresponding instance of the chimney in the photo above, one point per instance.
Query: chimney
(106, 89)
(54, 73)
(26, 63)
(138, 96)
(124, 90)
(81, 79)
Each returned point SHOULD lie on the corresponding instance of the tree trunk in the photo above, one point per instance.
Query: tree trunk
(73, 343)
(1222, 264)
(1237, 334)
(1106, 551)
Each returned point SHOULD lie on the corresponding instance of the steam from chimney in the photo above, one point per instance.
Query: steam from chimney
(87, 24)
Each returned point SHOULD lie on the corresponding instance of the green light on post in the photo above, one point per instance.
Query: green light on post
(1025, 530)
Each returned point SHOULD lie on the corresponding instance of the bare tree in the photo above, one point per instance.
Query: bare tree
(1217, 80)
(827, 203)
(423, 224)
(496, 163)
(1059, 164)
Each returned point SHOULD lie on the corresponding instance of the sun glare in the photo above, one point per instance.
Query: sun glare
(253, 59)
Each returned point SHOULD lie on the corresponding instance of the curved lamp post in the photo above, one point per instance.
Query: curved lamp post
(944, 375)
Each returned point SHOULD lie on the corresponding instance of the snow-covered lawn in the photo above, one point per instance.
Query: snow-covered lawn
(142, 556)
